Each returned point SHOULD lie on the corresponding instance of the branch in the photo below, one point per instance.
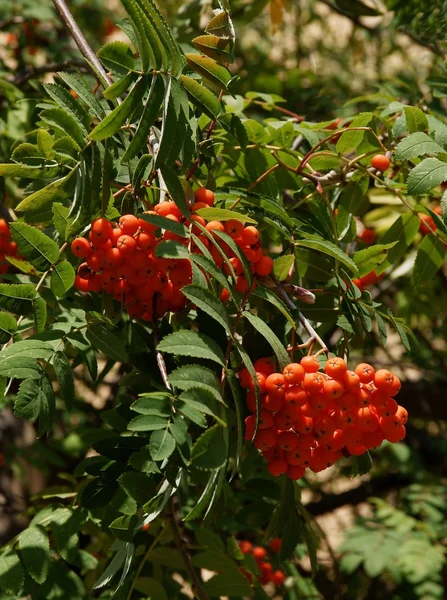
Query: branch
(160, 358)
(24, 76)
(81, 42)
(196, 584)
(304, 322)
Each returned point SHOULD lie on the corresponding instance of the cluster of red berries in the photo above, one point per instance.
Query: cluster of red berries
(268, 573)
(120, 258)
(310, 419)
(7, 247)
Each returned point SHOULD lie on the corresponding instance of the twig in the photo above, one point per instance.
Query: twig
(81, 42)
(304, 322)
(24, 76)
(196, 584)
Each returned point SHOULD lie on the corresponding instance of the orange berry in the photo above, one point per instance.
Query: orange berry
(295, 472)
(241, 285)
(265, 365)
(384, 380)
(204, 195)
(264, 266)
(310, 364)
(365, 372)
(250, 235)
(245, 546)
(277, 466)
(265, 439)
(278, 577)
(259, 553)
(380, 162)
(356, 450)
(294, 373)
(81, 284)
(368, 236)
(224, 296)
(351, 381)
(129, 224)
(403, 414)
(313, 382)
(146, 526)
(287, 440)
(265, 419)
(234, 228)
(275, 384)
(296, 395)
(81, 247)
(335, 367)
(273, 402)
(333, 389)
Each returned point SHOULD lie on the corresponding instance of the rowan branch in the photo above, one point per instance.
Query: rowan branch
(66, 65)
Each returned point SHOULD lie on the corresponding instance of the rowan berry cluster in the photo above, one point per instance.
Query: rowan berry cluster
(121, 259)
(7, 247)
(260, 554)
(310, 419)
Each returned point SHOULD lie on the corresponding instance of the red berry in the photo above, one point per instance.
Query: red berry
(368, 236)
(264, 266)
(310, 364)
(259, 553)
(81, 247)
(277, 467)
(129, 224)
(380, 162)
(250, 236)
(245, 546)
(204, 195)
(234, 228)
(278, 577)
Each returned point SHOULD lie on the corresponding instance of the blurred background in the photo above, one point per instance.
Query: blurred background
(327, 59)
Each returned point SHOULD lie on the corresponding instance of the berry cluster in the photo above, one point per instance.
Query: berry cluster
(310, 419)
(268, 573)
(120, 258)
(7, 247)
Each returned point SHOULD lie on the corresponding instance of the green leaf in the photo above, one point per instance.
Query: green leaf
(201, 400)
(65, 100)
(36, 400)
(39, 314)
(119, 87)
(162, 445)
(191, 343)
(402, 231)
(282, 266)
(60, 218)
(76, 84)
(20, 368)
(35, 246)
(196, 377)
(375, 563)
(121, 549)
(38, 171)
(35, 552)
(216, 75)
(223, 214)
(236, 586)
(208, 302)
(62, 278)
(154, 403)
(148, 117)
(217, 48)
(145, 44)
(271, 337)
(356, 8)
(148, 423)
(62, 121)
(430, 257)
(11, 573)
(171, 249)
(151, 588)
(175, 189)
(104, 340)
(175, 123)
(205, 498)
(220, 24)
(331, 250)
(350, 140)
(164, 223)
(201, 97)
(426, 175)
(44, 196)
(118, 57)
(179, 430)
(64, 375)
(369, 258)
(269, 296)
(417, 144)
(98, 493)
(123, 527)
(28, 348)
(416, 119)
(118, 117)
(8, 327)
(210, 450)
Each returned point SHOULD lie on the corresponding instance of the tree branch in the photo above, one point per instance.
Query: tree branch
(81, 42)
(23, 76)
